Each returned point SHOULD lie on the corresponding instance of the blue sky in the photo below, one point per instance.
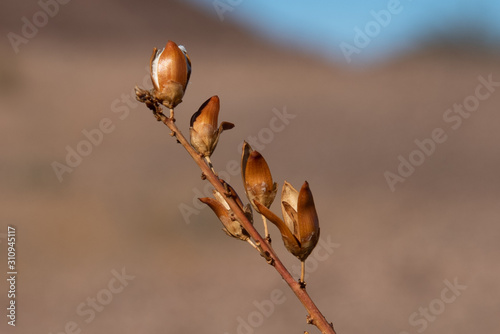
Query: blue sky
(335, 29)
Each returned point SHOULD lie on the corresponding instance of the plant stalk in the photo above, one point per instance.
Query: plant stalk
(314, 317)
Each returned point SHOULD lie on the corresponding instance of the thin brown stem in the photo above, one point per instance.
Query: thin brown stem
(252, 244)
(314, 317)
(209, 162)
(302, 271)
(266, 232)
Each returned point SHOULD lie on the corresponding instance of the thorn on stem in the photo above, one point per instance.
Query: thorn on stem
(203, 176)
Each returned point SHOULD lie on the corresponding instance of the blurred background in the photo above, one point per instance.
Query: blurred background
(389, 109)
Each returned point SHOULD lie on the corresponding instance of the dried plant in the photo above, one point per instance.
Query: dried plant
(299, 228)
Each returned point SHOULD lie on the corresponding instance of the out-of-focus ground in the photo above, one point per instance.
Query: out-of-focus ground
(389, 253)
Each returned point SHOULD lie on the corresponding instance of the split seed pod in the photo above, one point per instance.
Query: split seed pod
(221, 208)
(203, 127)
(300, 228)
(170, 72)
(257, 178)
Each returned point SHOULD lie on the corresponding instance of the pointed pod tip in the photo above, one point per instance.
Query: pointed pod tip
(247, 147)
(212, 102)
(208, 113)
(255, 155)
(306, 189)
(171, 44)
(305, 185)
(226, 125)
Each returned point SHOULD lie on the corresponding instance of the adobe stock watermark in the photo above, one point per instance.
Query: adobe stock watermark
(452, 117)
(277, 123)
(88, 309)
(364, 36)
(265, 308)
(223, 6)
(420, 319)
(30, 27)
(94, 137)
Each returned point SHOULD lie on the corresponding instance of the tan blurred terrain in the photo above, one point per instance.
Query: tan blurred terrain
(117, 213)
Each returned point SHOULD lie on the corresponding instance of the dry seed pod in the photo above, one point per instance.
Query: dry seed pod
(204, 132)
(170, 72)
(300, 230)
(221, 208)
(257, 178)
